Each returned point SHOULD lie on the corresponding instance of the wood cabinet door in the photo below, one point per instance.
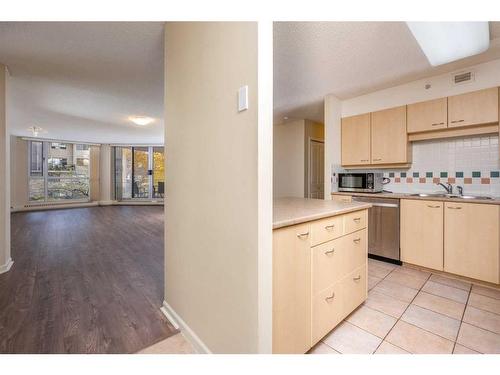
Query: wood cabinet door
(292, 289)
(429, 115)
(473, 108)
(471, 240)
(389, 141)
(355, 139)
(422, 233)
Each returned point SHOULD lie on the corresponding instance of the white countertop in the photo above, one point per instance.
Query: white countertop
(291, 211)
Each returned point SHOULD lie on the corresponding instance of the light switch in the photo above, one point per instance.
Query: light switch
(243, 98)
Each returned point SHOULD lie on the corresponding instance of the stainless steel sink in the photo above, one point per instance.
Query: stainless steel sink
(437, 195)
(474, 197)
(452, 196)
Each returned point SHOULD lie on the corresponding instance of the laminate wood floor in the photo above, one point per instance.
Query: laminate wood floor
(86, 280)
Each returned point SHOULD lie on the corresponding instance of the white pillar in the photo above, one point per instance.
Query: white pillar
(105, 175)
(333, 108)
(5, 259)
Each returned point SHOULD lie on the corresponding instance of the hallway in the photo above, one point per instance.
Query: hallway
(87, 280)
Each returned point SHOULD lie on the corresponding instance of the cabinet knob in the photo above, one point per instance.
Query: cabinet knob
(357, 278)
(328, 299)
(302, 235)
(356, 240)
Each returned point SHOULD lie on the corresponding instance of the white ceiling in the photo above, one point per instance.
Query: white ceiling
(82, 80)
(348, 59)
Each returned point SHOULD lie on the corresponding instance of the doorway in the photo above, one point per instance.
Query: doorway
(316, 186)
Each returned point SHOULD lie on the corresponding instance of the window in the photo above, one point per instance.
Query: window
(58, 171)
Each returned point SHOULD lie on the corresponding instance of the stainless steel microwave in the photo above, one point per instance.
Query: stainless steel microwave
(361, 182)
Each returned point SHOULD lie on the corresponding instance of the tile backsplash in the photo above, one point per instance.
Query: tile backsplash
(469, 162)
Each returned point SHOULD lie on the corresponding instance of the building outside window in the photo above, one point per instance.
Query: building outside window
(58, 171)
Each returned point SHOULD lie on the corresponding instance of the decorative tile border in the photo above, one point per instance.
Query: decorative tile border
(474, 177)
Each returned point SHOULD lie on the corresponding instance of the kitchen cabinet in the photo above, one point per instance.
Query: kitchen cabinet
(389, 141)
(292, 289)
(342, 198)
(422, 233)
(427, 116)
(319, 278)
(355, 139)
(471, 240)
(473, 108)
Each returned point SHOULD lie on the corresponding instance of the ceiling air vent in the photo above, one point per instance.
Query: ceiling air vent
(463, 77)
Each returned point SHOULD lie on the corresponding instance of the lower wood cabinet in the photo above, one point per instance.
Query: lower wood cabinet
(422, 233)
(471, 240)
(317, 284)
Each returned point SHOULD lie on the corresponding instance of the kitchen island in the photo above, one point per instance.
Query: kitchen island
(319, 268)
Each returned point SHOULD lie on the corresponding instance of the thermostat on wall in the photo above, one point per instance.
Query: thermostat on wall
(243, 98)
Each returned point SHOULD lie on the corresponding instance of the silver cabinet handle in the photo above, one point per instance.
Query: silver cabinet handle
(437, 123)
(357, 278)
(328, 299)
(433, 206)
(357, 219)
(330, 227)
(454, 121)
(330, 251)
(378, 159)
(454, 208)
(301, 235)
(356, 240)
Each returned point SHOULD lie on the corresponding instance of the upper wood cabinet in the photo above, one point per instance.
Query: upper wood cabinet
(389, 142)
(356, 140)
(473, 108)
(471, 240)
(429, 115)
(422, 233)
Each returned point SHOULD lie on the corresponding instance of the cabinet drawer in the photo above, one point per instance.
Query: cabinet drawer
(326, 312)
(342, 198)
(355, 221)
(354, 290)
(335, 259)
(326, 230)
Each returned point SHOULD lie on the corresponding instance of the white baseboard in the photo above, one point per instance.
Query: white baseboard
(106, 203)
(6, 267)
(198, 345)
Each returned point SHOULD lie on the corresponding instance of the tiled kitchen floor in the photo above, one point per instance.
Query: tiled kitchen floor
(412, 311)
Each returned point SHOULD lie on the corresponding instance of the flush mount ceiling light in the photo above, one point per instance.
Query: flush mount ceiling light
(443, 42)
(35, 130)
(141, 120)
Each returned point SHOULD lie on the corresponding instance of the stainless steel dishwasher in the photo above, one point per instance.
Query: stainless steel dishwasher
(383, 228)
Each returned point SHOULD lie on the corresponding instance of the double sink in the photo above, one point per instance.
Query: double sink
(457, 196)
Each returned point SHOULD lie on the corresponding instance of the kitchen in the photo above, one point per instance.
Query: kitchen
(411, 153)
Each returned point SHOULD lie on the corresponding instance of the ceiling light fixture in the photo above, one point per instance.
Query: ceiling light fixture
(35, 130)
(141, 120)
(444, 42)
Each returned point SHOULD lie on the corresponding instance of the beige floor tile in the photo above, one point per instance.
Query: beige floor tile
(485, 291)
(482, 319)
(349, 339)
(406, 278)
(321, 348)
(397, 291)
(372, 321)
(460, 349)
(176, 344)
(415, 272)
(388, 348)
(386, 304)
(446, 291)
(460, 284)
(416, 340)
(484, 303)
(377, 271)
(479, 339)
(387, 266)
(372, 281)
(432, 321)
(439, 304)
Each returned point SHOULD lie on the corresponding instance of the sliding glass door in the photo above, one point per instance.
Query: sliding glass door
(139, 173)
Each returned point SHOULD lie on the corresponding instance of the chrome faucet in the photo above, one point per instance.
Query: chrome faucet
(448, 187)
(460, 190)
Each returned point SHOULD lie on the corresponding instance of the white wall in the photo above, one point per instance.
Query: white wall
(288, 159)
(213, 285)
(5, 259)
(333, 110)
(486, 75)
